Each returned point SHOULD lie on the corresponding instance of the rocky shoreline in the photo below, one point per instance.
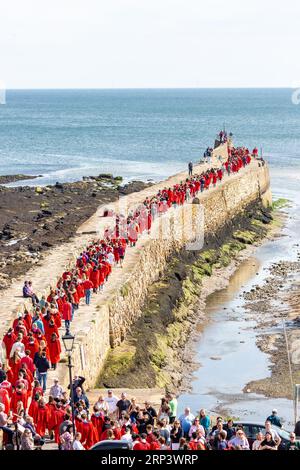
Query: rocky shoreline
(6, 179)
(158, 350)
(34, 219)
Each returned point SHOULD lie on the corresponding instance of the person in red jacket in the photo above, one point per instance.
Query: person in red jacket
(87, 285)
(54, 350)
(67, 314)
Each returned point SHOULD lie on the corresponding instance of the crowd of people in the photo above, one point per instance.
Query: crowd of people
(139, 426)
(32, 346)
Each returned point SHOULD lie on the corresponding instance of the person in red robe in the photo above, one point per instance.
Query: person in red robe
(155, 444)
(19, 394)
(34, 407)
(97, 419)
(142, 444)
(56, 316)
(4, 398)
(27, 320)
(95, 278)
(14, 364)
(54, 350)
(28, 361)
(6, 384)
(42, 418)
(37, 389)
(51, 405)
(32, 345)
(50, 329)
(59, 417)
(9, 339)
(88, 433)
(67, 314)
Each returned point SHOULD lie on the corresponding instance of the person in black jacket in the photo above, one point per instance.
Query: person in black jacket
(77, 382)
(176, 434)
(42, 365)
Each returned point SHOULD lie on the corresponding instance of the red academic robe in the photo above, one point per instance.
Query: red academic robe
(33, 410)
(95, 278)
(29, 363)
(51, 416)
(88, 434)
(4, 398)
(42, 420)
(9, 340)
(16, 397)
(97, 423)
(49, 330)
(67, 311)
(59, 415)
(6, 384)
(57, 319)
(33, 347)
(27, 321)
(54, 350)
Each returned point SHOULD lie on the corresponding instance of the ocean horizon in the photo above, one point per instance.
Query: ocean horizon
(139, 133)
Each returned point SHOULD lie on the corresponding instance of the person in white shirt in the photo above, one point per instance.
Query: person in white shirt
(77, 444)
(102, 405)
(259, 438)
(112, 401)
(110, 258)
(18, 345)
(2, 353)
(56, 391)
(127, 436)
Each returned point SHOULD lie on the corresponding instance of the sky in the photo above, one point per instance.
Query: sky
(149, 43)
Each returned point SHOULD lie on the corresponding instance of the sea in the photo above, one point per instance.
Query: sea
(144, 134)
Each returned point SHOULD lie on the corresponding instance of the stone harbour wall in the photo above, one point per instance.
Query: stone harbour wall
(113, 315)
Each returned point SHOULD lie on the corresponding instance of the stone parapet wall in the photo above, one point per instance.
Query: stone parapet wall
(113, 315)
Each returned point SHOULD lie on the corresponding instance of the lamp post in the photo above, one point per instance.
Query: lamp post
(68, 340)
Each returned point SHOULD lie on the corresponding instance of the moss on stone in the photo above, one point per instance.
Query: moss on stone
(117, 361)
(279, 203)
(158, 356)
(245, 236)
